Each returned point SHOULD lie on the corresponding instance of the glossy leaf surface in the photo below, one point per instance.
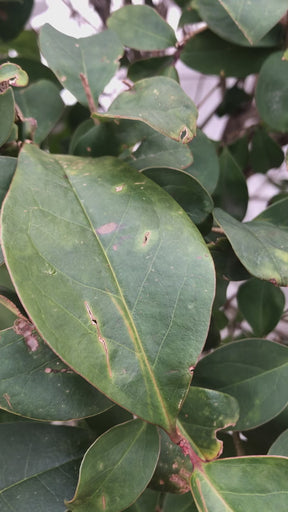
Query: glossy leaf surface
(272, 92)
(280, 446)
(142, 28)
(28, 364)
(159, 102)
(253, 484)
(117, 468)
(99, 267)
(254, 371)
(204, 412)
(41, 465)
(261, 246)
(95, 57)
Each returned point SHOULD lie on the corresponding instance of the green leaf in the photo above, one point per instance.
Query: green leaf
(276, 214)
(13, 74)
(41, 101)
(246, 16)
(226, 262)
(272, 92)
(261, 304)
(173, 470)
(117, 468)
(94, 57)
(265, 153)
(205, 166)
(222, 21)
(35, 70)
(280, 446)
(94, 140)
(155, 66)
(231, 193)
(260, 246)
(7, 114)
(97, 269)
(253, 371)
(148, 501)
(41, 465)
(253, 484)
(209, 54)
(142, 28)
(35, 383)
(14, 16)
(159, 102)
(186, 190)
(182, 503)
(204, 413)
(7, 169)
(26, 45)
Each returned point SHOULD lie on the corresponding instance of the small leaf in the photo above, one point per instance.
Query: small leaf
(253, 484)
(272, 92)
(260, 246)
(35, 383)
(159, 102)
(12, 73)
(205, 166)
(280, 446)
(209, 54)
(261, 304)
(7, 113)
(231, 193)
(117, 468)
(265, 153)
(204, 413)
(41, 465)
(95, 57)
(246, 16)
(142, 28)
(253, 371)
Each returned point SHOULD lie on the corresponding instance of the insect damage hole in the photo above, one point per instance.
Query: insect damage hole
(146, 238)
(102, 340)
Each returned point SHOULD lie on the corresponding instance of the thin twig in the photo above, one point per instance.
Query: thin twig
(91, 102)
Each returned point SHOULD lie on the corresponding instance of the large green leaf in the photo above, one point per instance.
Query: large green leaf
(7, 114)
(205, 166)
(261, 246)
(95, 57)
(209, 54)
(246, 16)
(41, 101)
(262, 304)
(41, 464)
(280, 446)
(159, 102)
(231, 193)
(118, 285)
(204, 412)
(142, 28)
(254, 371)
(117, 468)
(35, 383)
(272, 92)
(250, 484)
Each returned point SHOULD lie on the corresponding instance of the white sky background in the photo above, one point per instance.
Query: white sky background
(194, 84)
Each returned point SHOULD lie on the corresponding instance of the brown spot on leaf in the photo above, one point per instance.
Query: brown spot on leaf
(146, 238)
(24, 328)
(107, 228)
(103, 502)
(7, 398)
(102, 340)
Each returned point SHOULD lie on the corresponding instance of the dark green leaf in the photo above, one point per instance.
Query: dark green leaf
(94, 140)
(7, 169)
(142, 28)
(35, 383)
(147, 502)
(117, 468)
(35, 70)
(254, 371)
(265, 153)
(227, 265)
(7, 114)
(41, 465)
(205, 166)
(261, 304)
(246, 16)
(159, 102)
(183, 503)
(280, 446)
(250, 484)
(186, 190)
(260, 246)
(209, 54)
(14, 15)
(97, 269)
(231, 193)
(204, 413)
(275, 214)
(146, 68)
(234, 102)
(26, 45)
(272, 92)
(94, 57)
(41, 101)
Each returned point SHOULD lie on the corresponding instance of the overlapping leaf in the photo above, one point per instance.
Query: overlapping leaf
(280, 446)
(101, 253)
(7, 112)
